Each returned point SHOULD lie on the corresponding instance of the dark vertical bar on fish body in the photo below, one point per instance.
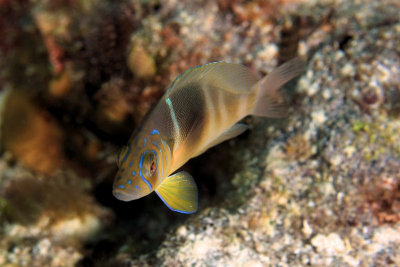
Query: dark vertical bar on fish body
(160, 120)
(189, 108)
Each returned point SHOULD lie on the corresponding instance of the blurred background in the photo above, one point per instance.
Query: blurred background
(320, 187)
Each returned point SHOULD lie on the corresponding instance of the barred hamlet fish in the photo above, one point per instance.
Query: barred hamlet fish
(198, 111)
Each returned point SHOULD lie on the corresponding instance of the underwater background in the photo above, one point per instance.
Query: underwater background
(320, 187)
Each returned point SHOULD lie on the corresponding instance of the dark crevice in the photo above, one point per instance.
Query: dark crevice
(144, 223)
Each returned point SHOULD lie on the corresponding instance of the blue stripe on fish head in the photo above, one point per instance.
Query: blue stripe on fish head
(139, 169)
(123, 154)
(148, 166)
(128, 185)
(160, 169)
(155, 131)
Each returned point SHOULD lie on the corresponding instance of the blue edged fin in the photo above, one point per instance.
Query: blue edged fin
(179, 193)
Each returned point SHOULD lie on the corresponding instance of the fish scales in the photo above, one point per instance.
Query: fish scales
(199, 110)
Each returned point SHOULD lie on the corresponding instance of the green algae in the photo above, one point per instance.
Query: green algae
(377, 138)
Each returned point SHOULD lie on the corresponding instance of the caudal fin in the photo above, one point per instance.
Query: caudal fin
(270, 102)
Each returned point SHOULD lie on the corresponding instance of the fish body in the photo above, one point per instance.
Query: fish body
(198, 111)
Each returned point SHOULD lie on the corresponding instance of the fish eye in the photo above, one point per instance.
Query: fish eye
(149, 163)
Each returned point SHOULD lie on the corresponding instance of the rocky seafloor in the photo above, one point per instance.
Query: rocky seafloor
(318, 188)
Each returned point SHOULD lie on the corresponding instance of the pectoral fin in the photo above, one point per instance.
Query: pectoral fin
(179, 193)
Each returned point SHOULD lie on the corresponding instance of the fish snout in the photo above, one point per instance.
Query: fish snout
(121, 194)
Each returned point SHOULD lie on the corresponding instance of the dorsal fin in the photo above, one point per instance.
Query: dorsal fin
(231, 77)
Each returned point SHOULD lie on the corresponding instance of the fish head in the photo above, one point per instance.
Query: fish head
(141, 168)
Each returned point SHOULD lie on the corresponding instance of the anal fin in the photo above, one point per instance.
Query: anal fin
(179, 193)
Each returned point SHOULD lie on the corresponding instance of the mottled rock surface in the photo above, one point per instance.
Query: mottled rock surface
(319, 188)
(324, 184)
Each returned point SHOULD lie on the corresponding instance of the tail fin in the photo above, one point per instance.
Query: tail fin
(270, 102)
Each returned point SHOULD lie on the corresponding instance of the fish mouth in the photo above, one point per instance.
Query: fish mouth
(122, 195)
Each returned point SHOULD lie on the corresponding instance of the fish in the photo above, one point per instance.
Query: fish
(199, 110)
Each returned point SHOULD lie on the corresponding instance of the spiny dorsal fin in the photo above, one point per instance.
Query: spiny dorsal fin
(231, 77)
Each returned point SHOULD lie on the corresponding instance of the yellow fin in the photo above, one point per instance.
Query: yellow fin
(232, 132)
(179, 193)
